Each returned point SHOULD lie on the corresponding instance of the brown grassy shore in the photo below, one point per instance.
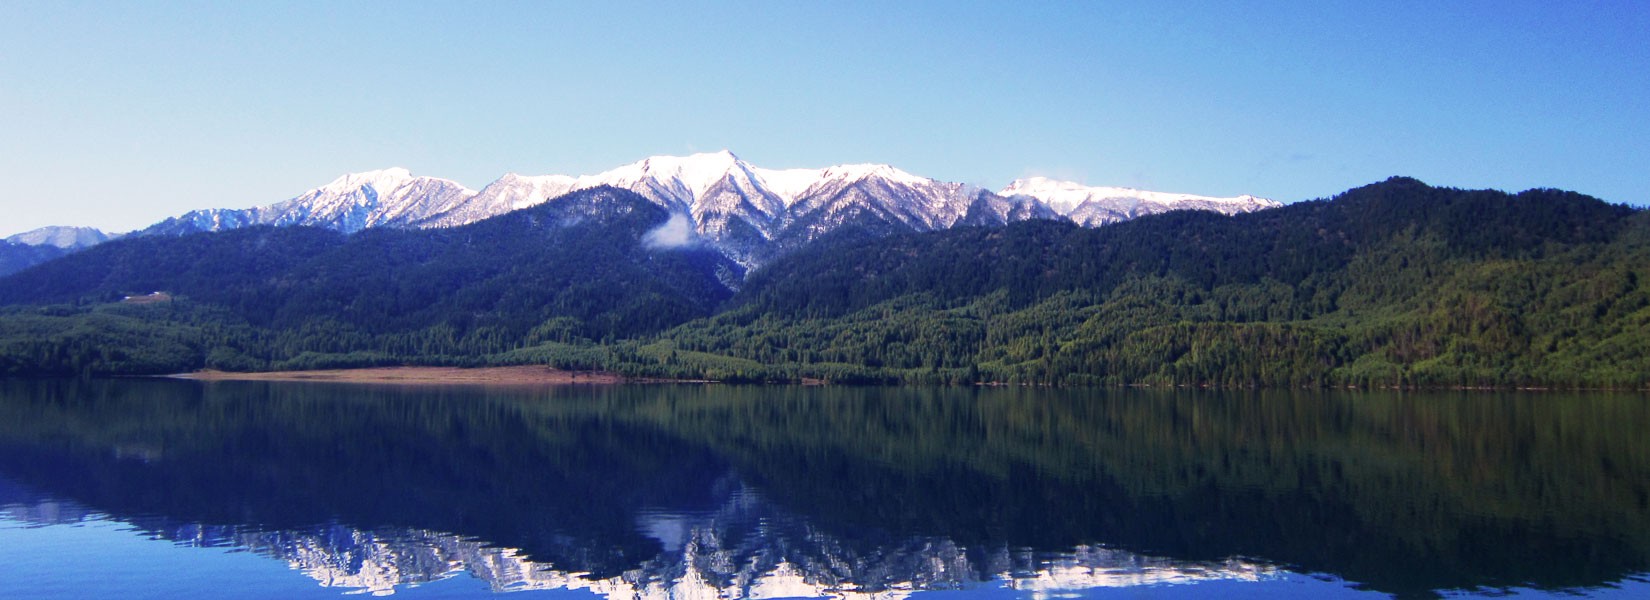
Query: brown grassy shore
(522, 375)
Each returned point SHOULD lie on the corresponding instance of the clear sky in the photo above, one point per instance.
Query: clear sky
(119, 114)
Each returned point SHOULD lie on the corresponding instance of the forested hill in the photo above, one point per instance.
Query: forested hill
(1392, 284)
(1396, 283)
(582, 256)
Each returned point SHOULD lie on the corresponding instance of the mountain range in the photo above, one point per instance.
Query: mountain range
(749, 214)
(1397, 283)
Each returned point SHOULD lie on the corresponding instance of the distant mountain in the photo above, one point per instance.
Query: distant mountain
(31, 248)
(67, 238)
(384, 198)
(748, 213)
(1090, 206)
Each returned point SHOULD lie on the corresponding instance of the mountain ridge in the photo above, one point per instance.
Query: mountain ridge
(749, 213)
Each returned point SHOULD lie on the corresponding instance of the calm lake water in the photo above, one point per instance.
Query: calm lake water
(281, 490)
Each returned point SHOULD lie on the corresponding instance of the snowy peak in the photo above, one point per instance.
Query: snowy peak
(792, 185)
(685, 181)
(381, 181)
(386, 197)
(392, 189)
(873, 194)
(672, 179)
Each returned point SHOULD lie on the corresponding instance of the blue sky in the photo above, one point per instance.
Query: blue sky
(116, 115)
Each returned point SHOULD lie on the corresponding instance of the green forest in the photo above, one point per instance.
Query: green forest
(1394, 284)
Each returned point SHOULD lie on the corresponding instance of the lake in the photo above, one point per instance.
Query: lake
(163, 489)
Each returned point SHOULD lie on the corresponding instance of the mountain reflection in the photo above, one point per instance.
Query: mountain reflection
(743, 550)
(763, 492)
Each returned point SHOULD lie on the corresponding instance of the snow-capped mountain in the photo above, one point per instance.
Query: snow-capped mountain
(67, 238)
(30, 248)
(749, 213)
(1091, 206)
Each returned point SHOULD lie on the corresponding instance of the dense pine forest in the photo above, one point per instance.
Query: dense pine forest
(1392, 284)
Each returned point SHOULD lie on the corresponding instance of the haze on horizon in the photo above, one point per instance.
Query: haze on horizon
(119, 115)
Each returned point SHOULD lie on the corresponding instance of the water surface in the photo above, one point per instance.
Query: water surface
(255, 489)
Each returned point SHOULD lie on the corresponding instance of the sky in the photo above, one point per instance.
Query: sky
(119, 114)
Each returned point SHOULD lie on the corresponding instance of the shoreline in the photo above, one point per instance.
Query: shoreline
(539, 375)
(517, 375)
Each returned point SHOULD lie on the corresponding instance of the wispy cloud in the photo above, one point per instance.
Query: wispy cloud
(675, 233)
